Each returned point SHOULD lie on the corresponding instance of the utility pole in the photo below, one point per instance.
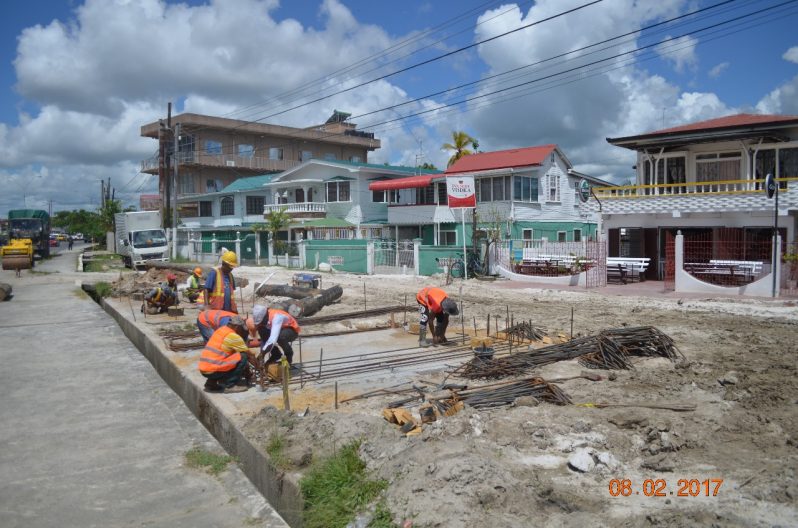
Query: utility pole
(176, 154)
(167, 169)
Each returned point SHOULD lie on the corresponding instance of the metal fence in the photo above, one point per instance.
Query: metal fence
(391, 256)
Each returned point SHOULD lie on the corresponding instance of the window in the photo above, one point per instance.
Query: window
(483, 186)
(553, 188)
(717, 167)
(275, 153)
(577, 235)
(299, 195)
(526, 234)
(447, 238)
(186, 183)
(525, 189)
(213, 147)
(425, 195)
(788, 163)
(206, 208)
(561, 236)
(355, 159)
(305, 155)
(385, 196)
(227, 208)
(329, 156)
(338, 191)
(245, 151)
(443, 196)
(255, 205)
(213, 186)
(493, 189)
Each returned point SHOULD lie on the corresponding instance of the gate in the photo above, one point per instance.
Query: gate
(596, 264)
(669, 275)
(392, 257)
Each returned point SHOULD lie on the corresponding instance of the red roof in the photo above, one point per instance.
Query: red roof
(739, 120)
(502, 159)
(403, 183)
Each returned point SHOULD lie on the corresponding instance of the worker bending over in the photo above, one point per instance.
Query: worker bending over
(220, 285)
(209, 321)
(275, 326)
(159, 299)
(193, 286)
(434, 304)
(224, 359)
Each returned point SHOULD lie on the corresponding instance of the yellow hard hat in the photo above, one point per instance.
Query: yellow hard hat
(230, 259)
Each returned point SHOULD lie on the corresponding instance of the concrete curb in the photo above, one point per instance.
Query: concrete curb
(283, 494)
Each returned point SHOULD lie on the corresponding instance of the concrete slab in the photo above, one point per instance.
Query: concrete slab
(92, 435)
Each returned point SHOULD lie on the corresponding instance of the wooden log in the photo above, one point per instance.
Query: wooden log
(284, 290)
(5, 291)
(310, 305)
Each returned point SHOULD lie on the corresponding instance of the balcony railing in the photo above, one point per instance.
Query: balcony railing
(297, 208)
(224, 160)
(688, 188)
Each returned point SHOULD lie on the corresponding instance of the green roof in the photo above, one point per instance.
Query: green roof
(252, 183)
(323, 222)
(341, 178)
(398, 168)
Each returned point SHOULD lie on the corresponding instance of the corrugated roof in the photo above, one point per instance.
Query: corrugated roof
(738, 120)
(398, 168)
(502, 159)
(402, 183)
(253, 183)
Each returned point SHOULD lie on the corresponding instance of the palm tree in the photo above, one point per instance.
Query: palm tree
(277, 220)
(460, 140)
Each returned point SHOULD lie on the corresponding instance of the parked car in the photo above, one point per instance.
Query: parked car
(54, 241)
(77, 236)
(62, 237)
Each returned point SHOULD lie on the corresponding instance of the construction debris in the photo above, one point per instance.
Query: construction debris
(506, 393)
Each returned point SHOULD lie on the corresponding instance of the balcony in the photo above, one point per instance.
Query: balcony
(150, 165)
(302, 209)
(419, 214)
(717, 196)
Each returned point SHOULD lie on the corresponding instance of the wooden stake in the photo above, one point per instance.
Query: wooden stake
(404, 321)
(488, 327)
(286, 403)
(321, 356)
(364, 296)
(462, 321)
(475, 326)
(301, 366)
(572, 322)
(336, 395)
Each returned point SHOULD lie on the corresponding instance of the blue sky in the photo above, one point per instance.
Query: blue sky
(79, 77)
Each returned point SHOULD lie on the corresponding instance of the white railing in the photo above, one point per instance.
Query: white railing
(688, 188)
(303, 207)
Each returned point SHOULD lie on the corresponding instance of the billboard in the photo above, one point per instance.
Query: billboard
(461, 191)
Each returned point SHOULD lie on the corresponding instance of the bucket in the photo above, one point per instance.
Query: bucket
(484, 353)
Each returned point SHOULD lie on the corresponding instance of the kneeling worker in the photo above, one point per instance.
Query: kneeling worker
(224, 359)
(280, 327)
(434, 303)
(159, 299)
(194, 286)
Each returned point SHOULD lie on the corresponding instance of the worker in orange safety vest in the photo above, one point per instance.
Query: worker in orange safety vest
(275, 327)
(435, 304)
(225, 357)
(220, 285)
(209, 321)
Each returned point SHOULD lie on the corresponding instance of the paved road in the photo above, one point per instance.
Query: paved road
(91, 435)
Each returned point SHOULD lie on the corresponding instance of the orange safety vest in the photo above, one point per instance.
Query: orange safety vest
(214, 358)
(211, 318)
(291, 321)
(217, 294)
(431, 298)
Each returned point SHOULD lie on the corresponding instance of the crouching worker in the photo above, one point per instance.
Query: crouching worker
(194, 286)
(225, 357)
(434, 304)
(159, 299)
(275, 327)
(209, 321)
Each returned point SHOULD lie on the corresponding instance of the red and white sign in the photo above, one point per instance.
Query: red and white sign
(461, 191)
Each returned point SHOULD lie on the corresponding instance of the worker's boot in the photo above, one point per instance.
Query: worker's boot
(422, 337)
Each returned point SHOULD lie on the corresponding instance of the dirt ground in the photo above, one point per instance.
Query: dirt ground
(512, 466)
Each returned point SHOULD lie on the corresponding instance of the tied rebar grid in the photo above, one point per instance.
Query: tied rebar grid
(610, 349)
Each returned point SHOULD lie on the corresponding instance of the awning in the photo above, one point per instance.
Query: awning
(403, 183)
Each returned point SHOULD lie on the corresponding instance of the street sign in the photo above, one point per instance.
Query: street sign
(770, 185)
(584, 190)
(461, 191)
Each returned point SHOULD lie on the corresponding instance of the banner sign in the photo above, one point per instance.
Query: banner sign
(770, 185)
(461, 191)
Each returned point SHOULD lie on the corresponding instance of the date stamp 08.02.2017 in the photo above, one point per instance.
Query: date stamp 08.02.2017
(659, 488)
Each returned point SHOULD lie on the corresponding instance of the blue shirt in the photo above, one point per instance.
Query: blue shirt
(210, 284)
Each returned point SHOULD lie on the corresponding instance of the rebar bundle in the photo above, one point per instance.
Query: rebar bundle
(501, 394)
(610, 349)
(521, 331)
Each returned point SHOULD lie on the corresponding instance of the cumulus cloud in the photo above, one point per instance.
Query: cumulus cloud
(782, 100)
(717, 70)
(680, 52)
(791, 55)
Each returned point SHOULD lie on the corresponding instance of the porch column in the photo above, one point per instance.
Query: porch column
(679, 264)
(238, 246)
(397, 233)
(301, 248)
(416, 256)
(257, 247)
(370, 257)
(272, 260)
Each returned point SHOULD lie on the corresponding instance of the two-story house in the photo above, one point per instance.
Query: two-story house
(213, 152)
(705, 179)
(532, 192)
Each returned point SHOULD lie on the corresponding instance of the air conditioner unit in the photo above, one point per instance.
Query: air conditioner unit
(231, 163)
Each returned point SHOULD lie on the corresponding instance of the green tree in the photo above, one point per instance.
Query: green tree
(277, 221)
(427, 166)
(460, 140)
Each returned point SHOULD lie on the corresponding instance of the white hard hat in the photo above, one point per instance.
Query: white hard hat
(258, 313)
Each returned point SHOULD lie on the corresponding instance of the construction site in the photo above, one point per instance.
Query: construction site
(545, 407)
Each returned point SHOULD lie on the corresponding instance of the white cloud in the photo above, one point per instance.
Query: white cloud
(715, 72)
(680, 52)
(791, 55)
(782, 100)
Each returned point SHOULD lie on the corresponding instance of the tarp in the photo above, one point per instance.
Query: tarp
(403, 183)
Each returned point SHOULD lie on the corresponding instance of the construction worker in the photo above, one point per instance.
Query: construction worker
(193, 286)
(275, 326)
(171, 283)
(434, 304)
(220, 285)
(210, 321)
(224, 359)
(159, 299)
